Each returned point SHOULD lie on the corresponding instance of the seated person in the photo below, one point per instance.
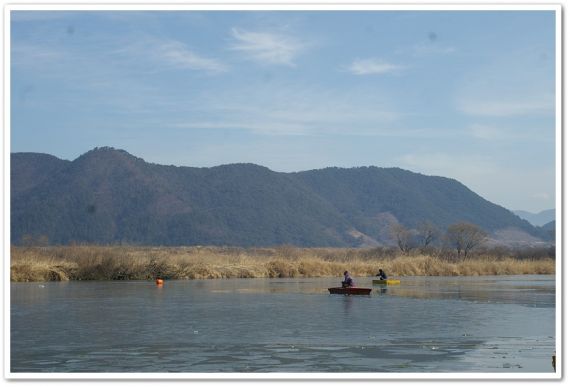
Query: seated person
(382, 275)
(348, 281)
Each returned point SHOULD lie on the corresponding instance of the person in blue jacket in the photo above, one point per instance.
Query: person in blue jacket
(382, 274)
(348, 281)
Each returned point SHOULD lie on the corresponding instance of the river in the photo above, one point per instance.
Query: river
(424, 325)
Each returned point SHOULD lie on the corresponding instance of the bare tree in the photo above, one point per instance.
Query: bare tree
(428, 232)
(464, 237)
(403, 237)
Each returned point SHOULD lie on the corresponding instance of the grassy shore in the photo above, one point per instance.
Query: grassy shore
(146, 263)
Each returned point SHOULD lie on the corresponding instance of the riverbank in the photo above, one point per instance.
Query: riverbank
(147, 263)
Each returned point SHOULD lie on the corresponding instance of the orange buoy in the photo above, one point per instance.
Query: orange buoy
(159, 281)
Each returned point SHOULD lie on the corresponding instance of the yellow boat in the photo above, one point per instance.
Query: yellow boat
(386, 282)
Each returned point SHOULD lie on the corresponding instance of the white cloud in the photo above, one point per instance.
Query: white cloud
(34, 54)
(144, 54)
(267, 48)
(291, 109)
(177, 54)
(151, 54)
(506, 132)
(372, 66)
(507, 106)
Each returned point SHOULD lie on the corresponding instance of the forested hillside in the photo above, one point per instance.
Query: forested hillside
(108, 196)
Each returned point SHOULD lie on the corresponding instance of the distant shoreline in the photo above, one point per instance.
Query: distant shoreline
(69, 263)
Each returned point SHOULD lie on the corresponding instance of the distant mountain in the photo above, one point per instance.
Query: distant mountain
(109, 196)
(537, 219)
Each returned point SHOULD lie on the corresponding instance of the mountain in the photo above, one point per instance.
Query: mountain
(110, 196)
(370, 197)
(537, 219)
(549, 230)
(30, 169)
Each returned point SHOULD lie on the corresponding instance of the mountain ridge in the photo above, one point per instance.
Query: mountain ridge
(110, 196)
(539, 219)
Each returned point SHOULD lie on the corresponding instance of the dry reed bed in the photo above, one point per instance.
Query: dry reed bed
(146, 263)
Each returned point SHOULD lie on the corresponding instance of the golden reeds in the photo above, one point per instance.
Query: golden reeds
(145, 263)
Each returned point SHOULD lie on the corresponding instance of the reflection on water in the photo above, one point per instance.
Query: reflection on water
(437, 324)
(536, 291)
(347, 302)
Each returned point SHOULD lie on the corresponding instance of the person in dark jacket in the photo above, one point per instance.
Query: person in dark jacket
(348, 281)
(382, 274)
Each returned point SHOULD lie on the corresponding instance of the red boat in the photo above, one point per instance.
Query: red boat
(350, 290)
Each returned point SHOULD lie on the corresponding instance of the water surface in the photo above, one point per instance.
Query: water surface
(425, 324)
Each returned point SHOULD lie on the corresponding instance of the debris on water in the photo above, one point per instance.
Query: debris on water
(41, 286)
(526, 349)
(195, 332)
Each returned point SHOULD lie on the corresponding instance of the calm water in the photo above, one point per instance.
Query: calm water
(439, 324)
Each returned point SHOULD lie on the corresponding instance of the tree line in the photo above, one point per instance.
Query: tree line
(462, 237)
(458, 241)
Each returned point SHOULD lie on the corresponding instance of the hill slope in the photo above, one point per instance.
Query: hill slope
(110, 196)
(549, 230)
(366, 195)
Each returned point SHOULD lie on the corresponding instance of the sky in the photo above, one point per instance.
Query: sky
(468, 95)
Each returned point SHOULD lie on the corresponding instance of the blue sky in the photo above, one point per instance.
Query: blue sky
(468, 95)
